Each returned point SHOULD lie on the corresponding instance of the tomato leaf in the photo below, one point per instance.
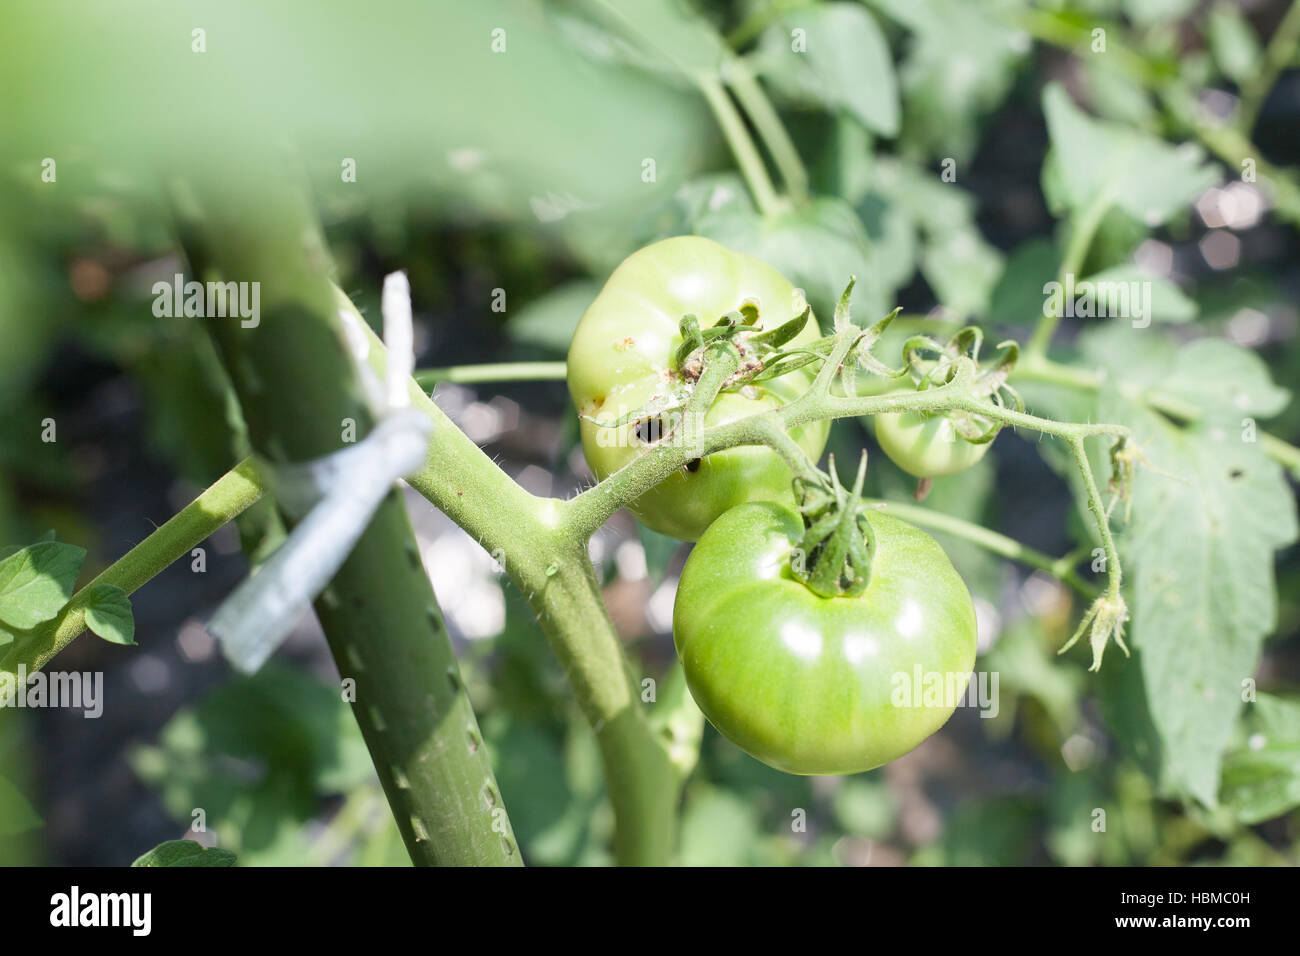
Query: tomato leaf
(834, 55)
(35, 584)
(1146, 177)
(185, 853)
(1209, 511)
(108, 614)
(1261, 778)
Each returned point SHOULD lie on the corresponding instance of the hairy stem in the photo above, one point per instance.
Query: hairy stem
(1114, 575)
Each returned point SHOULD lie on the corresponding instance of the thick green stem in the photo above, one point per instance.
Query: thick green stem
(223, 501)
(550, 566)
(742, 146)
(761, 113)
(491, 372)
(297, 386)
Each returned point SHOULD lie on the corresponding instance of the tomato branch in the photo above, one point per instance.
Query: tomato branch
(223, 501)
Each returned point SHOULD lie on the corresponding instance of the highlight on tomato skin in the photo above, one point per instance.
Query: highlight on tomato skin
(620, 360)
(813, 685)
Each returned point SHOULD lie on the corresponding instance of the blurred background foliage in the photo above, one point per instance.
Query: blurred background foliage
(532, 161)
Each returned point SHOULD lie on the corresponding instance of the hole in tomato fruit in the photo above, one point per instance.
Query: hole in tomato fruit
(650, 430)
(1236, 474)
(693, 465)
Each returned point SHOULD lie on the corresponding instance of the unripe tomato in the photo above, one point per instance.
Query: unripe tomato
(926, 446)
(814, 685)
(620, 362)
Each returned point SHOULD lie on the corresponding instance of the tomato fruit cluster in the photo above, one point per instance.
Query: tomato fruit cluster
(620, 361)
(806, 683)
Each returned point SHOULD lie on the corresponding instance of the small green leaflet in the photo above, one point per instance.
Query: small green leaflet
(185, 853)
(35, 584)
(108, 614)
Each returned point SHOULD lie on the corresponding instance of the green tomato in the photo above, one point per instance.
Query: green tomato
(927, 446)
(620, 361)
(814, 685)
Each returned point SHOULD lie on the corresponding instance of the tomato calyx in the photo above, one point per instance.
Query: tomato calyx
(732, 353)
(833, 558)
(1104, 620)
(988, 383)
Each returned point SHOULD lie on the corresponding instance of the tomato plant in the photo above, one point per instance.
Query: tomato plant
(212, 291)
(810, 684)
(620, 367)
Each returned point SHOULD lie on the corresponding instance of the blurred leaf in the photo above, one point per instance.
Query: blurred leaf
(185, 853)
(257, 755)
(548, 323)
(1261, 780)
(16, 814)
(677, 720)
(1145, 177)
(659, 552)
(1018, 295)
(1118, 96)
(1233, 43)
(1224, 381)
(1157, 11)
(1071, 839)
(817, 247)
(959, 67)
(892, 233)
(549, 822)
(864, 808)
(669, 28)
(719, 828)
(959, 265)
(990, 833)
(841, 62)
(1164, 301)
(962, 269)
(108, 614)
(1028, 668)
